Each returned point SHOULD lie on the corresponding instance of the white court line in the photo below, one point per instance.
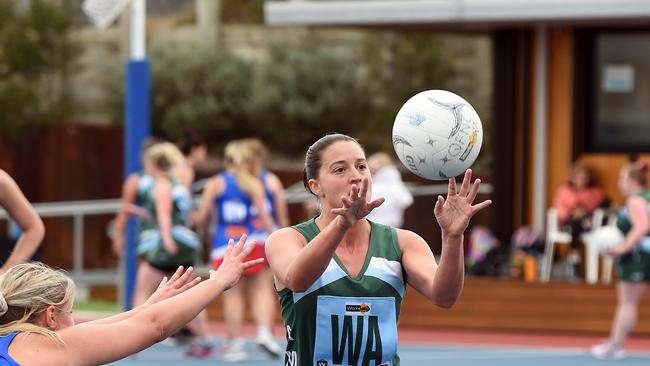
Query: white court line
(433, 354)
(500, 347)
(487, 351)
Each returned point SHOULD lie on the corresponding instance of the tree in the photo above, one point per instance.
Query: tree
(398, 65)
(305, 90)
(35, 54)
(192, 87)
(203, 89)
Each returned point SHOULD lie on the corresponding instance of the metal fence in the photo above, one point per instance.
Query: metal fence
(78, 211)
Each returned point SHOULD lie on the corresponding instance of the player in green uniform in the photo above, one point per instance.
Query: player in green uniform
(633, 258)
(341, 278)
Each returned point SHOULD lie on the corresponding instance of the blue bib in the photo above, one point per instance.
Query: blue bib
(5, 341)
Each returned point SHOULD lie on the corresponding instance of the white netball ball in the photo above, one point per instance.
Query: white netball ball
(437, 134)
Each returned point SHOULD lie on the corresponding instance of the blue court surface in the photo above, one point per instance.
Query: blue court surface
(412, 355)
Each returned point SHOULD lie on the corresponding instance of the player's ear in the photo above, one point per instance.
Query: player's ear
(314, 186)
(49, 317)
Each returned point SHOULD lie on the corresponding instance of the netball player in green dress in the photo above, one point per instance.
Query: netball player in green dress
(341, 278)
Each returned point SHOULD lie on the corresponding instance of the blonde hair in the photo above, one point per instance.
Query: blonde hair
(26, 291)
(259, 152)
(164, 155)
(240, 159)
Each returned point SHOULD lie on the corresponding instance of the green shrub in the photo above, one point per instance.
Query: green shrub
(35, 54)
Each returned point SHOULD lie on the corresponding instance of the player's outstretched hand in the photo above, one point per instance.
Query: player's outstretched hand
(355, 204)
(233, 265)
(179, 282)
(453, 214)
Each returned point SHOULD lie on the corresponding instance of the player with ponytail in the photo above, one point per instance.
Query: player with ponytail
(632, 257)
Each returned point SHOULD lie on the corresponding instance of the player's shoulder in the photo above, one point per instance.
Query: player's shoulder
(408, 238)
(217, 182)
(284, 239)
(133, 177)
(285, 233)
(637, 200)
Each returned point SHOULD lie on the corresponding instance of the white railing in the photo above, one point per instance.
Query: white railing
(78, 210)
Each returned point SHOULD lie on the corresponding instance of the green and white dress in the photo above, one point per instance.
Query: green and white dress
(635, 265)
(341, 320)
(149, 239)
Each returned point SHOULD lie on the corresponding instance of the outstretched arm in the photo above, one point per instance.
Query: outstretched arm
(179, 282)
(442, 283)
(211, 190)
(129, 193)
(19, 209)
(93, 344)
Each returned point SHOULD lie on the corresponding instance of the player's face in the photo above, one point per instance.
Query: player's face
(199, 153)
(580, 178)
(343, 164)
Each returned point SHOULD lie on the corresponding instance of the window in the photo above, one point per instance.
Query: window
(612, 90)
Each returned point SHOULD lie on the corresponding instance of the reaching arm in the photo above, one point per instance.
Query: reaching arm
(295, 264)
(19, 209)
(442, 283)
(212, 189)
(179, 282)
(93, 344)
(129, 192)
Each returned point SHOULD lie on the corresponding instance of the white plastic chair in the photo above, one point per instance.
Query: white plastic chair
(592, 259)
(555, 235)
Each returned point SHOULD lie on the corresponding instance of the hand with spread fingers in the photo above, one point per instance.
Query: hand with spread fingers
(233, 265)
(454, 212)
(355, 206)
(179, 282)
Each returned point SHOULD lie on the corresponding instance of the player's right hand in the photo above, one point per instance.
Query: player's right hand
(355, 206)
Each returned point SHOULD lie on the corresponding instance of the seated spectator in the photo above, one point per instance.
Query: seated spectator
(575, 202)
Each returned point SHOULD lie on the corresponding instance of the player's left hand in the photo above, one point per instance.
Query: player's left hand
(454, 212)
(233, 265)
(179, 282)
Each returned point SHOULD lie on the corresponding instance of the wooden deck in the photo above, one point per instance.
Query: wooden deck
(509, 305)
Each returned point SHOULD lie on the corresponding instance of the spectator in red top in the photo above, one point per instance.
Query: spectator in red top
(575, 202)
(579, 197)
